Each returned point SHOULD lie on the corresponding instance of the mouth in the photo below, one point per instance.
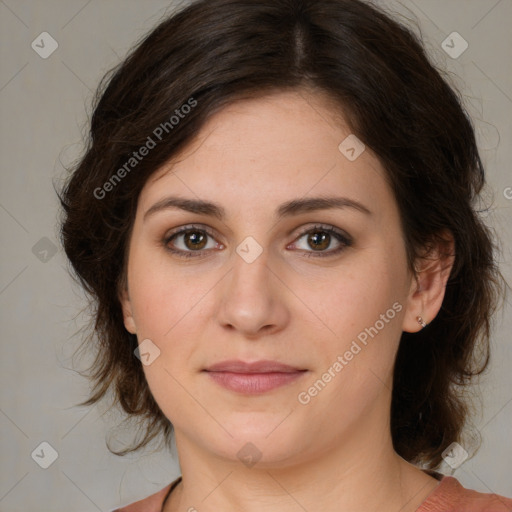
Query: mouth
(253, 378)
(263, 366)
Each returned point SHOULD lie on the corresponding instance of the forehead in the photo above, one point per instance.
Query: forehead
(277, 147)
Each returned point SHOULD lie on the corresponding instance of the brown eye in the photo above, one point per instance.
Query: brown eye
(190, 241)
(319, 240)
(194, 240)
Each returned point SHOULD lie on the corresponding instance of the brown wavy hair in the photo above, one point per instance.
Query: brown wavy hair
(375, 69)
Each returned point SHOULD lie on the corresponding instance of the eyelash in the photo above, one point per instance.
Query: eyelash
(344, 240)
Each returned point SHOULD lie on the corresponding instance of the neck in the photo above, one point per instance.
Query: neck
(350, 475)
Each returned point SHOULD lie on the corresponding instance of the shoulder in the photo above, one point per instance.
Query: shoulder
(152, 503)
(451, 496)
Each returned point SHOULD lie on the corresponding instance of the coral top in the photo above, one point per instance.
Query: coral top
(448, 496)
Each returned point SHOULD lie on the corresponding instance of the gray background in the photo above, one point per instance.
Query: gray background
(44, 107)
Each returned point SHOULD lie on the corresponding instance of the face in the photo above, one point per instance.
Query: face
(270, 275)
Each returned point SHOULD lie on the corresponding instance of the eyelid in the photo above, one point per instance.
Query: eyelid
(327, 227)
(188, 227)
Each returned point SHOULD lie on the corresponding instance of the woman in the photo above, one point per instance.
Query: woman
(274, 218)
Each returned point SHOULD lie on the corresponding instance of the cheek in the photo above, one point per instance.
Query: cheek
(362, 312)
(357, 353)
(164, 310)
(169, 306)
(350, 301)
(158, 296)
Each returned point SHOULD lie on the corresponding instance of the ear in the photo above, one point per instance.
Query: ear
(428, 285)
(124, 299)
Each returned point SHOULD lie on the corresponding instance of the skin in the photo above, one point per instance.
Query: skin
(251, 157)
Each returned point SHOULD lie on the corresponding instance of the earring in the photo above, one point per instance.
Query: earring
(421, 321)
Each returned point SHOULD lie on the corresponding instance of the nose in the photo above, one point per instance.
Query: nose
(253, 299)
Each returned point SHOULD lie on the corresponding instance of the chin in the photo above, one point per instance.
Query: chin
(264, 442)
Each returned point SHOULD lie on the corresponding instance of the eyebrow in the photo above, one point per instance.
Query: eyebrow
(293, 207)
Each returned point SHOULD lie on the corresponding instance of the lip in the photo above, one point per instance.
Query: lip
(253, 378)
(263, 366)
